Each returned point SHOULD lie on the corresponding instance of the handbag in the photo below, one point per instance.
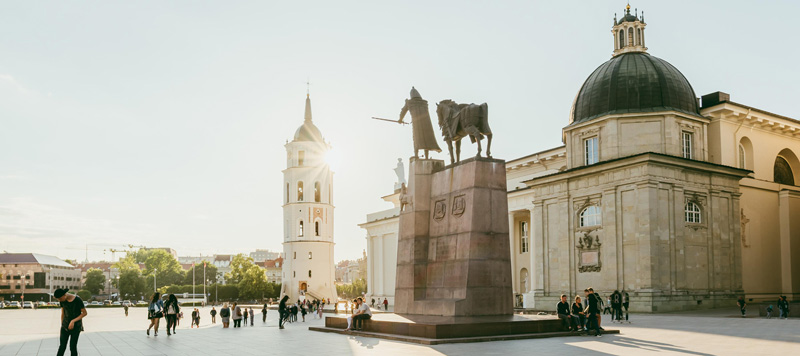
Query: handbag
(238, 312)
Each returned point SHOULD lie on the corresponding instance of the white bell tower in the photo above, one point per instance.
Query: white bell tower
(308, 268)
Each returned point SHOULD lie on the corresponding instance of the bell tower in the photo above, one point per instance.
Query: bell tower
(629, 32)
(308, 215)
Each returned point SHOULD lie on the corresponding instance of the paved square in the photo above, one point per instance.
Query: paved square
(109, 332)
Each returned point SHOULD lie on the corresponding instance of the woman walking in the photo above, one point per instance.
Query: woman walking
(154, 312)
(225, 314)
(237, 316)
(172, 309)
(264, 313)
(197, 318)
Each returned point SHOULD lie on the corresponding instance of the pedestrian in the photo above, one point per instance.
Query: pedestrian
(373, 303)
(295, 309)
(564, 312)
(783, 307)
(282, 311)
(303, 311)
(593, 310)
(251, 317)
(607, 306)
(769, 311)
(319, 309)
(155, 311)
(264, 313)
(194, 317)
(237, 316)
(616, 306)
(172, 309)
(180, 316)
(125, 306)
(225, 313)
(213, 315)
(742, 306)
(350, 318)
(626, 302)
(197, 318)
(385, 304)
(577, 310)
(72, 313)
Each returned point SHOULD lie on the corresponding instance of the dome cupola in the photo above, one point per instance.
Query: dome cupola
(629, 32)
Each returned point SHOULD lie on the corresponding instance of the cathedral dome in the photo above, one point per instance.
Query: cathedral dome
(630, 83)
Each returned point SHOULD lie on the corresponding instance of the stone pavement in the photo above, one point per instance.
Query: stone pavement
(109, 332)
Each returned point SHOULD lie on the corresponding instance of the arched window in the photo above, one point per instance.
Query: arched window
(299, 191)
(783, 171)
(621, 36)
(287, 192)
(309, 273)
(639, 37)
(630, 36)
(316, 228)
(300, 229)
(742, 158)
(692, 213)
(590, 216)
(316, 192)
(309, 255)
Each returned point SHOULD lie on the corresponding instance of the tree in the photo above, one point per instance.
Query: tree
(239, 265)
(211, 274)
(166, 268)
(131, 284)
(141, 255)
(352, 290)
(84, 294)
(253, 284)
(95, 280)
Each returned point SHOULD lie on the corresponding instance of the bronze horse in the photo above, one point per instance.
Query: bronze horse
(459, 120)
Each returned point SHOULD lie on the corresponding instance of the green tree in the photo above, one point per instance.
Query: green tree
(141, 255)
(211, 273)
(352, 290)
(95, 279)
(164, 266)
(239, 265)
(84, 294)
(131, 284)
(253, 283)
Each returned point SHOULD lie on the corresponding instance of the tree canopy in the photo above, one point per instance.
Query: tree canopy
(211, 274)
(95, 280)
(239, 265)
(166, 268)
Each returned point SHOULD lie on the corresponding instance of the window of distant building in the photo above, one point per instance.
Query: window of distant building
(692, 213)
(523, 236)
(686, 144)
(589, 216)
(591, 155)
(299, 191)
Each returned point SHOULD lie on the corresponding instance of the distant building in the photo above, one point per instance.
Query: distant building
(349, 270)
(195, 259)
(264, 255)
(272, 269)
(35, 276)
(169, 250)
(223, 264)
(108, 272)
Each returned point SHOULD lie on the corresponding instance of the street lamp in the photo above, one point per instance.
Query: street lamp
(119, 294)
(155, 272)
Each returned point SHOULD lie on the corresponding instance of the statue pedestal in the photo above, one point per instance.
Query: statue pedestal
(453, 254)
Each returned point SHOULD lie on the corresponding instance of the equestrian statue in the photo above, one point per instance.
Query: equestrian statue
(459, 120)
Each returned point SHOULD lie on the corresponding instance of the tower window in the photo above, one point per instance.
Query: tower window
(295, 255)
(741, 157)
(621, 36)
(316, 192)
(590, 216)
(287, 192)
(316, 228)
(639, 37)
(630, 36)
(299, 191)
(590, 151)
(309, 255)
(523, 236)
(692, 213)
(686, 138)
(301, 157)
(300, 229)
(294, 273)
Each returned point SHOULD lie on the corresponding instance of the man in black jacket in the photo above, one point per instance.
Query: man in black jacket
(593, 310)
(564, 313)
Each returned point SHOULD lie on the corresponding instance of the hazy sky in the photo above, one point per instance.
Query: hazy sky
(163, 123)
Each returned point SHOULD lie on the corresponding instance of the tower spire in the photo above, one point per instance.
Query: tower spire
(308, 108)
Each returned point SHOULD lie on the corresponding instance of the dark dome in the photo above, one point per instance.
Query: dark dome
(630, 83)
(627, 18)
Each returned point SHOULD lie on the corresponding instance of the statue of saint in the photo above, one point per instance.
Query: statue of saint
(400, 170)
(424, 139)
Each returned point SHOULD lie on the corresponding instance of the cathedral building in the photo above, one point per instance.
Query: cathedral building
(308, 267)
(682, 202)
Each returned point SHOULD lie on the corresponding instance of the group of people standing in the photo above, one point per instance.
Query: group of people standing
(583, 318)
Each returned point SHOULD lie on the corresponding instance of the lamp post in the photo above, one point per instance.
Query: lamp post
(155, 272)
(204, 283)
(119, 293)
(193, 282)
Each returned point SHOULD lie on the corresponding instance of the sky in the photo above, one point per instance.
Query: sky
(156, 123)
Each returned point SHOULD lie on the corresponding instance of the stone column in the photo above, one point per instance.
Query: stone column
(380, 286)
(370, 268)
(789, 203)
(511, 243)
(530, 302)
(538, 227)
